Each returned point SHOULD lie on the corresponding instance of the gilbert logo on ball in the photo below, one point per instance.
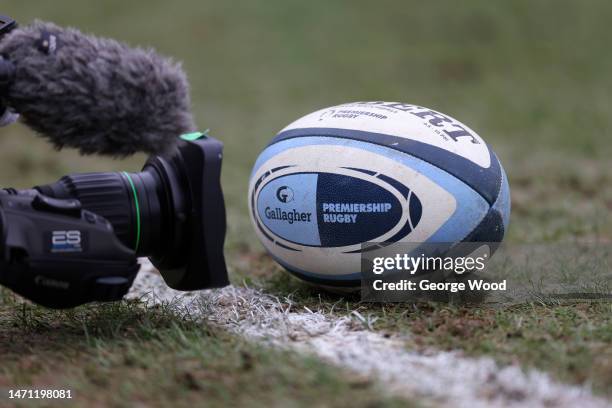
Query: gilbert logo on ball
(373, 171)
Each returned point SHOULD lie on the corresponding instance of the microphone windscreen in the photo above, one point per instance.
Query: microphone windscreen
(95, 94)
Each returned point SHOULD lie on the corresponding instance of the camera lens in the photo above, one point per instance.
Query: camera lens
(171, 212)
(145, 214)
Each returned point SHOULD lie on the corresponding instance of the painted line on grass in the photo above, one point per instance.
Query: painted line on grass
(443, 378)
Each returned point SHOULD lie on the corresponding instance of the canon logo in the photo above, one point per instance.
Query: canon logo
(51, 283)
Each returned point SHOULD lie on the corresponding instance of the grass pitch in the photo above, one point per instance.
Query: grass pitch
(124, 354)
(531, 77)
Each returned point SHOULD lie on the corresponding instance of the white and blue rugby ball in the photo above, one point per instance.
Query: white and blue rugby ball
(373, 171)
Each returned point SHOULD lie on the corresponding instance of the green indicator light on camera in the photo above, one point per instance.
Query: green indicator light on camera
(191, 137)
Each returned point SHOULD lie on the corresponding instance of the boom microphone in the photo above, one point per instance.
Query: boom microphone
(94, 94)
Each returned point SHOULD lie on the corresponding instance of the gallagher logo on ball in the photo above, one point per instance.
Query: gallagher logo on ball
(284, 194)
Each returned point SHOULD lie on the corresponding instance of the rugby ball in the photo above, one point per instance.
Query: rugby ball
(372, 172)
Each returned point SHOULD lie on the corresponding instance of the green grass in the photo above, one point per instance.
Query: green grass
(123, 354)
(568, 339)
(532, 77)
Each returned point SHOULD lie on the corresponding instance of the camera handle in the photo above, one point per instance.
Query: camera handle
(59, 255)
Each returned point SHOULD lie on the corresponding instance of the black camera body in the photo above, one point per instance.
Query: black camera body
(77, 240)
(58, 254)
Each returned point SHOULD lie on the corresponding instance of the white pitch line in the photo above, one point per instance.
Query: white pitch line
(443, 378)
